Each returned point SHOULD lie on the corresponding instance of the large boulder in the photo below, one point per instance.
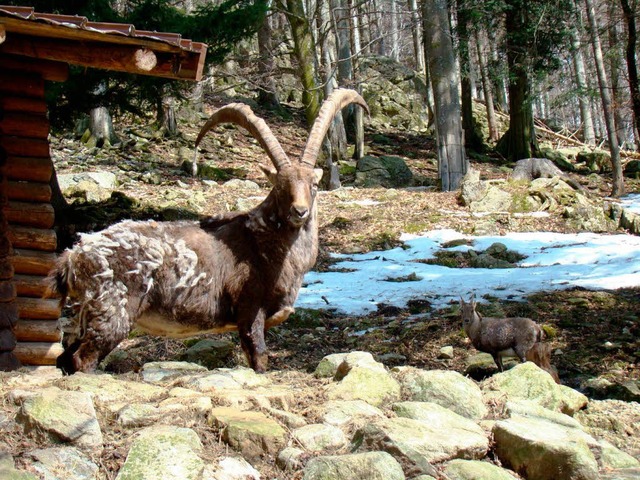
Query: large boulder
(369, 465)
(385, 171)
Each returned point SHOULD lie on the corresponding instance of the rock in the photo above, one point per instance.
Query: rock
(328, 366)
(250, 433)
(210, 353)
(475, 470)
(290, 458)
(409, 441)
(472, 189)
(446, 352)
(8, 470)
(529, 408)
(632, 169)
(318, 437)
(463, 437)
(611, 457)
(369, 465)
(231, 468)
(158, 372)
(63, 463)
(542, 450)
(481, 365)
(494, 200)
(597, 162)
(446, 388)
(370, 383)
(46, 414)
(385, 171)
(612, 420)
(526, 381)
(111, 392)
(288, 419)
(149, 458)
(343, 412)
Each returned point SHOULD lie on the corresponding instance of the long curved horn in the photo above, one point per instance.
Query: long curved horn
(242, 115)
(339, 99)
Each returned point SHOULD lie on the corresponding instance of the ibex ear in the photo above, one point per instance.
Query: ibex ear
(270, 173)
(318, 172)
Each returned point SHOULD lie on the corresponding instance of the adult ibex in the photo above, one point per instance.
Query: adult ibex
(237, 271)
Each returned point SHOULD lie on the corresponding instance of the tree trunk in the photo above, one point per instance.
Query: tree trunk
(101, 127)
(486, 86)
(167, 116)
(358, 119)
(395, 37)
(416, 32)
(614, 55)
(452, 161)
(496, 73)
(581, 83)
(618, 179)
(632, 66)
(267, 93)
(520, 140)
(472, 137)
(304, 51)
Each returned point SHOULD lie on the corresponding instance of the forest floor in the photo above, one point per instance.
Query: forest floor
(152, 184)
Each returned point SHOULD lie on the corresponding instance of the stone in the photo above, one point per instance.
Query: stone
(8, 469)
(290, 458)
(232, 468)
(344, 412)
(453, 436)
(148, 457)
(475, 470)
(446, 352)
(446, 388)
(210, 353)
(542, 449)
(527, 381)
(369, 465)
(371, 384)
(250, 433)
(385, 171)
(64, 463)
(46, 414)
(157, 372)
(416, 444)
(318, 437)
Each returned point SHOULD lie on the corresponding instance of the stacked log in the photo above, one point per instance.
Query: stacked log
(28, 220)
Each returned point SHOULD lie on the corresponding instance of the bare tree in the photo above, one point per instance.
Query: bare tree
(630, 12)
(618, 179)
(581, 84)
(480, 41)
(452, 161)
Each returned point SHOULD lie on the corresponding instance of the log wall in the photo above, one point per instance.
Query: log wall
(29, 331)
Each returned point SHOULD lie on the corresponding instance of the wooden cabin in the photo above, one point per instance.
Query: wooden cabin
(35, 48)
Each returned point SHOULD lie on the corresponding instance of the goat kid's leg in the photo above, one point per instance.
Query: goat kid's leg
(498, 359)
(251, 330)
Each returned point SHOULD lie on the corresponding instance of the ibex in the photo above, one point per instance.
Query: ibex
(509, 336)
(238, 271)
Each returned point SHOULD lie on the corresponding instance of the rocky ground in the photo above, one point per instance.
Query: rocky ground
(594, 334)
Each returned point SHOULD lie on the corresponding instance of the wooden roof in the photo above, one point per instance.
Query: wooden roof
(112, 46)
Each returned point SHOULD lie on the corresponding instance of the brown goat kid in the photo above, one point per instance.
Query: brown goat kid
(500, 337)
(238, 271)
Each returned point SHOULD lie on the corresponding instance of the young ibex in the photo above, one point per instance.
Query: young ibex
(238, 271)
(505, 336)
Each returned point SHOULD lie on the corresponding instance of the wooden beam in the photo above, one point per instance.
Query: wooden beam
(37, 331)
(30, 285)
(32, 262)
(33, 169)
(29, 191)
(22, 104)
(39, 308)
(42, 239)
(39, 215)
(38, 353)
(120, 58)
(24, 125)
(52, 71)
(21, 84)
(16, 146)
